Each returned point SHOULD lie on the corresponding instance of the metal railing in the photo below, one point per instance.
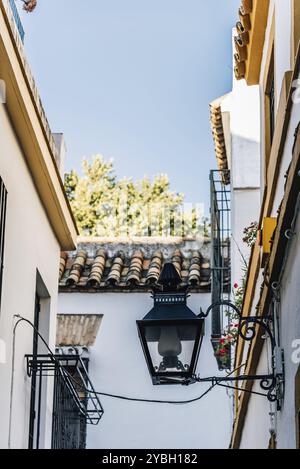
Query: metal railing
(17, 18)
(220, 247)
(75, 403)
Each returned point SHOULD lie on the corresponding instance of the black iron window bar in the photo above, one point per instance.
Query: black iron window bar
(272, 382)
(220, 253)
(78, 381)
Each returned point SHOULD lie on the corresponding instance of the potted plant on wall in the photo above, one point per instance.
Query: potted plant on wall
(223, 345)
(29, 5)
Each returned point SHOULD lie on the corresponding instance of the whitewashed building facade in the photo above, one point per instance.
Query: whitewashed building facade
(235, 121)
(112, 281)
(35, 224)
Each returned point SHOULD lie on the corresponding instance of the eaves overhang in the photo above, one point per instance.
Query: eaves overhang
(30, 124)
(250, 38)
(219, 138)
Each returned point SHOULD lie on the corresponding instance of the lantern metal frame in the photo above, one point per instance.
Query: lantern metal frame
(170, 309)
(173, 377)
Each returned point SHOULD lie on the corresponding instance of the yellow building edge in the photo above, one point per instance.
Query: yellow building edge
(249, 41)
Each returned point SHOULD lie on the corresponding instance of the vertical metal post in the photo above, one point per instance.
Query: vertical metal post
(38, 426)
(3, 202)
(34, 375)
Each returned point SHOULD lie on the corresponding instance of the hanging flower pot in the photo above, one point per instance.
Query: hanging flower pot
(29, 5)
(222, 350)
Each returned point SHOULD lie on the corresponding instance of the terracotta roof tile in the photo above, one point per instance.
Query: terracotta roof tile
(195, 268)
(135, 270)
(177, 261)
(97, 268)
(242, 40)
(115, 273)
(219, 138)
(77, 268)
(155, 267)
(106, 267)
(62, 264)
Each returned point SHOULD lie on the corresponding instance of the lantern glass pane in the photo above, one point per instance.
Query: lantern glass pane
(171, 346)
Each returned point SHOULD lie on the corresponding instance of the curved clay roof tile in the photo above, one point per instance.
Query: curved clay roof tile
(246, 6)
(155, 267)
(240, 70)
(177, 260)
(244, 35)
(115, 273)
(62, 264)
(245, 19)
(98, 268)
(195, 269)
(136, 268)
(241, 49)
(77, 268)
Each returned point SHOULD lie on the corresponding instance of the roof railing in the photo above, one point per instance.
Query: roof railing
(17, 19)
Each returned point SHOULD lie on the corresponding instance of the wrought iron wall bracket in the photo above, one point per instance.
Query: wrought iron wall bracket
(78, 382)
(249, 326)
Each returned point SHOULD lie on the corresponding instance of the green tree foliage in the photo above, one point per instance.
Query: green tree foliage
(105, 206)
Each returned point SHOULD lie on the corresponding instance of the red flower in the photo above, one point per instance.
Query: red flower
(236, 285)
(222, 341)
(222, 351)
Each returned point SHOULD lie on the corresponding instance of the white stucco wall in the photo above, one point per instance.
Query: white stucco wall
(281, 11)
(257, 436)
(29, 246)
(256, 431)
(245, 131)
(290, 331)
(245, 209)
(286, 157)
(243, 107)
(117, 366)
(282, 43)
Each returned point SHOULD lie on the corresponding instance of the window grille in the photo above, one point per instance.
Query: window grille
(75, 404)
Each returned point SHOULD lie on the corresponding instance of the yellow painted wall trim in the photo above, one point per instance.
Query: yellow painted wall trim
(269, 225)
(282, 123)
(259, 18)
(30, 131)
(268, 228)
(281, 128)
(269, 75)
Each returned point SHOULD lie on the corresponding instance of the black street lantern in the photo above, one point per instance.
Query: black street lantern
(171, 334)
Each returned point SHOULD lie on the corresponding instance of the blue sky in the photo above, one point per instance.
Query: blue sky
(132, 80)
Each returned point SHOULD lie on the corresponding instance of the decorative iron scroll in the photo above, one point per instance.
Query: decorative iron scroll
(249, 326)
